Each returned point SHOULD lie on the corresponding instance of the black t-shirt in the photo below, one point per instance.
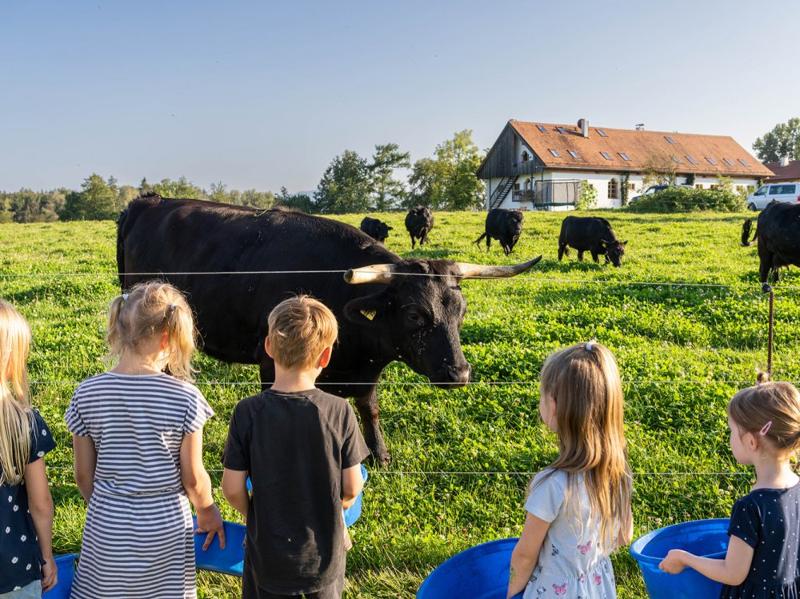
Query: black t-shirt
(769, 521)
(20, 556)
(294, 447)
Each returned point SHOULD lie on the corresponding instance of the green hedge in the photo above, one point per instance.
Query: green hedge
(685, 199)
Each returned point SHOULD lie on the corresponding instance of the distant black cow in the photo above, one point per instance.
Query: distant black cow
(778, 234)
(377, 229)
(388, 308)
(419, 222)
(503, 225)
(593, 234)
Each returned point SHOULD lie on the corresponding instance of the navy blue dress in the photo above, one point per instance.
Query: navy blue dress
(769, 521)
(20, 557)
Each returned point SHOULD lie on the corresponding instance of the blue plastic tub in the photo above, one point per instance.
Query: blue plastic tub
(66, 572)
(708, 538)
(480, 572)
(227, 561)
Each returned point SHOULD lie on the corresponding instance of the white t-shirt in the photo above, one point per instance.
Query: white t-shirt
(571, 564)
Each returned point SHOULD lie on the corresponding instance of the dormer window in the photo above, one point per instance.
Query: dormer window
(525, 156)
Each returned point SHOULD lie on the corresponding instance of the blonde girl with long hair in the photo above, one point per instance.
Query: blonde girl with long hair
(763, 556)
(26, 508)
(578, 508)
(137, 435)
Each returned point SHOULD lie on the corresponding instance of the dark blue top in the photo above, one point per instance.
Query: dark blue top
(769, 521)
(20, 558)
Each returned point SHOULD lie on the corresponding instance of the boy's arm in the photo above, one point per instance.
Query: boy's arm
(40, 503)
(731, 571)
(352, 485)
(526, 554)
(234, 487)
(85, 458)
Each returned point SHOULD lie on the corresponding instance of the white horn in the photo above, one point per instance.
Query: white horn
(486, 271)
(375, 273)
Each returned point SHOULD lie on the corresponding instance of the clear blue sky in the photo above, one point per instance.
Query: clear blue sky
(263, 94)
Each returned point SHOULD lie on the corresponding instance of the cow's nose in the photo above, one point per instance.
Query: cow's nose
(459, 374)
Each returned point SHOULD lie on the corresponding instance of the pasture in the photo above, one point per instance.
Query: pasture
(462, 458)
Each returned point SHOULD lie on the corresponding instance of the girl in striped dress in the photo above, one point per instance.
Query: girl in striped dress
(137, 438)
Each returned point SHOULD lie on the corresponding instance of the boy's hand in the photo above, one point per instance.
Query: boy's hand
(675, 562)
(209, 521)
(49, 574)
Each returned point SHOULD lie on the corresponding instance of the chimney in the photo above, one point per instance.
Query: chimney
(784, 161)
(583, 125)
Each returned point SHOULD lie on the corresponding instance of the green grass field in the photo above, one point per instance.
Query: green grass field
(462, 458)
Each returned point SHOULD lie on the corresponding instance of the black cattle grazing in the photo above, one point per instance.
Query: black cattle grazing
(386, 307)
(419, 222)
(503, 225)
(377, 229)
(592, 234)
(778, 234)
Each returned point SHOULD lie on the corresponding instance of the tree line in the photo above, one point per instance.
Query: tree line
(350, 183)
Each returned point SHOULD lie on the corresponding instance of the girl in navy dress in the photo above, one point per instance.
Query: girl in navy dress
(26, 508)
(762, 559)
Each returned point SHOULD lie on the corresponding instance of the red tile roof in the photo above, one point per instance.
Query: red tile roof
(790, 172)
(689, 153)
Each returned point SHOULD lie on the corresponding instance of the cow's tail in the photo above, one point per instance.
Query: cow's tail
(121, 248)
(746, 227)
(481, 238)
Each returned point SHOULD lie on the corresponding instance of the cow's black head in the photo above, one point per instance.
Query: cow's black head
(614, 251)
(418, 314)
(382, 230)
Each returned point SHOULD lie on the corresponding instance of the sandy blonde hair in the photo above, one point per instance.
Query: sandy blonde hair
(771, 406)
(150, 309)
(16, 417)
(300, 328)
(584, 382)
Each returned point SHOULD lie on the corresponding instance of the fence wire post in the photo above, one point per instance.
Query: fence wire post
(771, 338)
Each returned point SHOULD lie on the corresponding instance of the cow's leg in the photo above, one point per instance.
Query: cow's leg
(413, 241)
(562, 249)
(595, 256)
(764, 267)
(370, 419)
(580, 255)
(488, 242)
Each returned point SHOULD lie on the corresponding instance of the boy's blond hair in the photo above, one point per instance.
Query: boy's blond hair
(300, 328)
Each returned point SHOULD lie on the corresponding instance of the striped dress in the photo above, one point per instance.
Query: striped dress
(138, 540)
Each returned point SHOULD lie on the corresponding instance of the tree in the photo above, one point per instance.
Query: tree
(588, 196)
(218, 193)
(345, 186)
(145, 187)
(296, 201)
(97, 200)
(782, 142)
(659, 170)
(182, 188)
(386, 190)
(256, 199)
(448, 181)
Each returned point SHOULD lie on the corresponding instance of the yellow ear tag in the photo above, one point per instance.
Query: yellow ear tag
(369, 314)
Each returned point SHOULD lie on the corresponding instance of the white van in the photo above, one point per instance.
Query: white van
(779, 192)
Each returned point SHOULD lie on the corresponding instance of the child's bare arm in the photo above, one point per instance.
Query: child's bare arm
(526, 554)
(352, 485)
(197, 485)
(731, 571)
(234, 487)
(85, 463)
(40, 504)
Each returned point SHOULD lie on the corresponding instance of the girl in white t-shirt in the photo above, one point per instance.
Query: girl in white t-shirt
(579, 508)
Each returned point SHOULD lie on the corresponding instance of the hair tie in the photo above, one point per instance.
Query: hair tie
(765, 429)
(589, 345)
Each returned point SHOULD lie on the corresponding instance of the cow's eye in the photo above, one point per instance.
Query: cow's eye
(415, 318)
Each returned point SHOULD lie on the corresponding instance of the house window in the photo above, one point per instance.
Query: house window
(574, 154)
(525, 156)
(624, 156)
(631, 186)
(713, 186)
(516, 186)
(541, 128)
(554, 152)
(606, 155)
(691, 159)
(561, 130)
(699, 186)
(675, 159)
(739, 187)
(669, 139)
(613, 189)
(727, 162)
(601, 132)
(711, 161)
(743, 162)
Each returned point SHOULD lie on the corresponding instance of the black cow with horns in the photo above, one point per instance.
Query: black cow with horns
(388, 308)
(419, 222)
(778, 234)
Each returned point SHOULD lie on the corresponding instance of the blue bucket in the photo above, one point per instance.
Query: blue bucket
(708, 538)
(227, 561)
(66, 572)
(480, 572)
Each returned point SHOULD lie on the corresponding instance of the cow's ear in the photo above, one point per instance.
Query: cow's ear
(364, 310)
(624, 242)
(390, 228)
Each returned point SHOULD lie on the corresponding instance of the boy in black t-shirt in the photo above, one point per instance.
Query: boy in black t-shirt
(302, 449)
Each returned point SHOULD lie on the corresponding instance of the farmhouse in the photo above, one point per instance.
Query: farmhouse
(541, 166)
(786, 171)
